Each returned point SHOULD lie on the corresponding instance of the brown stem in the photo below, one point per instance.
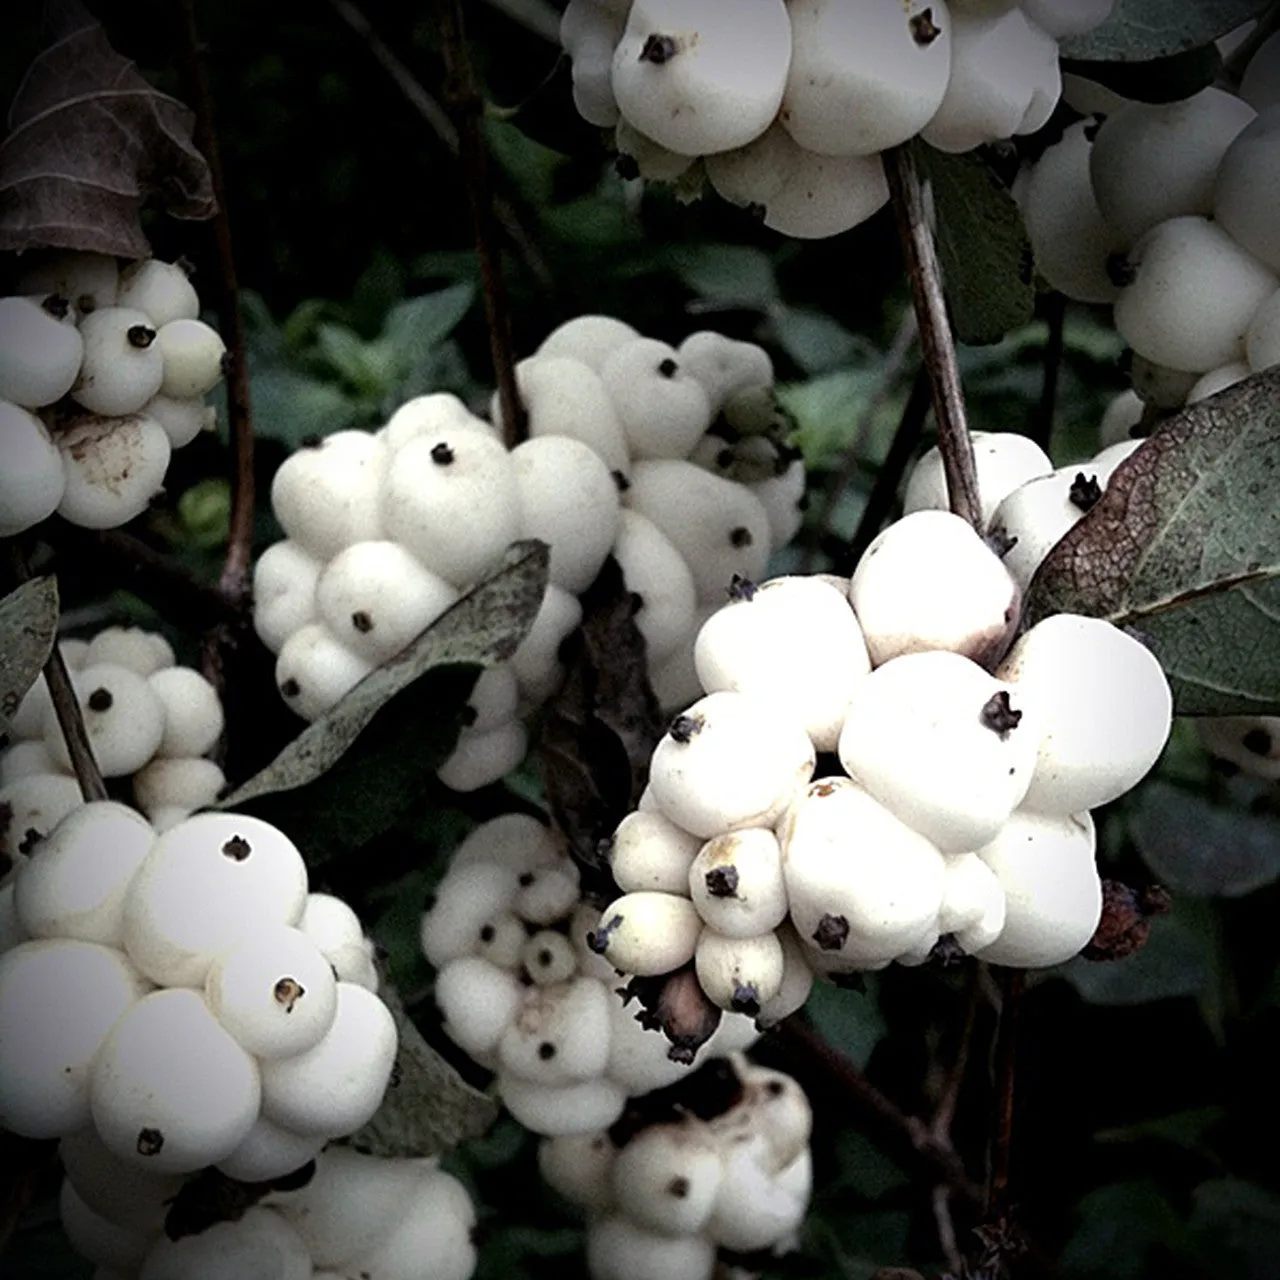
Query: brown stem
(895, 359)
(235, 582)
(1012, 985)
(467, 110)
(437, 120)
(936, 340)
(66, 707)
(1054, 346)
(131, 564)
(885, 490)
(909, 1134)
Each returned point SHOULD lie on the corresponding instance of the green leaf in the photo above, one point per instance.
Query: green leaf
(428, 1108)
(289, 407)
(815, 341)
(351, 358)
(417, 325)
(28, 629)
(1199, 848)
(1186, 1129)
(1240, 1222)
(1185, 547)
(982, 246)
(1176, 960)
(1139, 30)
(728, 275)
(405, 714)
(847, 1020)
(1121, 1223)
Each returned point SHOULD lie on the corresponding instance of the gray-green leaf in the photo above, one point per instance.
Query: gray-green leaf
(1139, 30)
(982, 246)
(1185, 547)
(28, 629)
(482, 628)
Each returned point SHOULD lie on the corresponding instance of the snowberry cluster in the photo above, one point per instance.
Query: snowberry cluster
(357, 1215)
(1171, 212)
(960, 813)
(180, 1000)
(145, 717)
(523, 993)
(662, 1201)
(103, 373)
(664, 457)
(785, 105)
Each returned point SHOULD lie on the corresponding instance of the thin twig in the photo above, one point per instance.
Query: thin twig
(1012, 985)
(890, 371)
(936, 339)
(131, 564)
(66, 707)
(437, 120)
(467, 111)
(885, 490)
(908, 1133)
(236, 581)
(1054, 347)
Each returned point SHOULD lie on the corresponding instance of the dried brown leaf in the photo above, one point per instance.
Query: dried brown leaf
(89, 143)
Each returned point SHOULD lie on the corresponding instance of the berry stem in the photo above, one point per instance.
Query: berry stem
(66, 707)
(936, 339)
(1012, 984)
(466, 106)
(236, 580)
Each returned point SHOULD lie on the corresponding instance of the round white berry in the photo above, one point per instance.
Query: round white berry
(484, 756)
(736, 883)
(738, 973)
(666, 1178)
(1123, 412)
(208, 883)
(478, 1001)
(1155, 161)
(1035, 517)
(59, 999)
(792, 640)
(697, 77)
(578, 1165)
(536, 661)
(162, 290)
(548, 957)
(864, 77)
(268, 1151)
(122, 367)
(656, 573)
(755, 1208)
(315, 670)
(101, 1241)
(647, 932)
(929, 581)
(783, 499)
(589, 338)
(170, 1089)
(729, 761)
(123, 718)
(662, 406)
(560, 1034)
(31, 477)
(467, 897)
(973, 903)
(719, 527)
(588, 33)
(1194, 292)
(40, 350)
(183, 419)
(649, 852)
(1262, 340)
(145, 652)
(797, 980)
(258, 1243)
(336, 929)
(193, 355)
(725, 366)
(274, 992)
(284, 592)
(326, 495)
(1003, 460)
(564, 396)
(824, 195)
(451, 498)
(89, 281)
(115, 1189)
(863, 886)
(568, 499)
(113, 467)
(1062, 21)
(193, 717)
(75, 883)
(36, 804)
(580, 1107)
(750, 176)
(1053, 897)
(1104, 706)
(25, 759)
(337, 1085)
